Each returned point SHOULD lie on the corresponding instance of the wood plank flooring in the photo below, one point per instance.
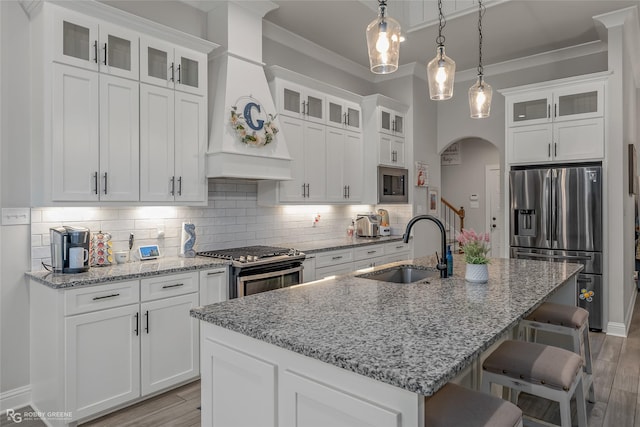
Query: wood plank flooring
(616, 379)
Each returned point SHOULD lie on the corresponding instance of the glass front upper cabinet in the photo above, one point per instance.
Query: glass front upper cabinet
(166, 65)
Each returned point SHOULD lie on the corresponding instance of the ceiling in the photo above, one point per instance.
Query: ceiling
(511, 29)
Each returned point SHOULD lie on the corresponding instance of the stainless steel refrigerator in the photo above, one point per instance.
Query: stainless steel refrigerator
(556, 214)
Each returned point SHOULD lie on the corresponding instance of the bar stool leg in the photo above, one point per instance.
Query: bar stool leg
(581, 404)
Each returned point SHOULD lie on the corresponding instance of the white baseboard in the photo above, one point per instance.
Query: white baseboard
(16, 398)
(618, 329)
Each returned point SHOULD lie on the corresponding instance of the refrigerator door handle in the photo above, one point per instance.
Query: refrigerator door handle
(561, 257)
(584, 279)
(551, 217)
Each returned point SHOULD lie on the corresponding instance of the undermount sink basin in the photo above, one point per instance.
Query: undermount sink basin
(402, 274)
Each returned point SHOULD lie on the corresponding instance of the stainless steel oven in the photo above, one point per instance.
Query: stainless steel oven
(256, 269)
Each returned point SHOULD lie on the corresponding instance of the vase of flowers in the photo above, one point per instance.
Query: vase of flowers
(475, 247)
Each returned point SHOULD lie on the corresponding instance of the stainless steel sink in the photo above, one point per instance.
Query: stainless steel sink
(402, 274)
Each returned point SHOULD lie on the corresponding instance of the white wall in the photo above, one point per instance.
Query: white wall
(231, 219)
(460, 181)
(14, 181)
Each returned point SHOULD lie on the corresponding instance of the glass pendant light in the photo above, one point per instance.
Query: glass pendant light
(480, 93)
(441, 70)
(383, 42)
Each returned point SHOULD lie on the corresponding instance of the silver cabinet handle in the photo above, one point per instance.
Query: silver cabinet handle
(555, 110)
(106, 296)
(173, 185)
(95, 181)
(304, 193)
(137, 323)
(215, 273)
(371, 252)
(177, 285)
(548, 111)
(172, 72)
(105, 54)
(105, 183)
(348, 191)
(337, 257)
(179, 186)
(146, 315)
(549, 150)
(95, 51)
(555, 149)
(308, 190)
(179, 74)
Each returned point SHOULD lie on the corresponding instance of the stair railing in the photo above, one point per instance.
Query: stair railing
(453, 219)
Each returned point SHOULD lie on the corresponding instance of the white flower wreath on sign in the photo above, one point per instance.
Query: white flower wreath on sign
(251, 130)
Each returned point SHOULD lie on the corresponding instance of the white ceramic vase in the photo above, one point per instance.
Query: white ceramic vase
(477, 273)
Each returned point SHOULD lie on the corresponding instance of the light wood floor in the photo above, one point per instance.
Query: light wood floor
(616, 378)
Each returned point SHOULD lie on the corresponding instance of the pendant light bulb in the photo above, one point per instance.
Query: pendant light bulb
(441, 71)
(383, 42)
(480, 95)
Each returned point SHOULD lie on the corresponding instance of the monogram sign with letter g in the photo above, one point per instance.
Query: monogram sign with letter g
(253, 126)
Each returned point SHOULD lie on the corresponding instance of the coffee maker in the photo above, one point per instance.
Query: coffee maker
(70, 249)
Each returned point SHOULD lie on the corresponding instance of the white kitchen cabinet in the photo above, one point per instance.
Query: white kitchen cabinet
(214, 286)
(298, 101)
(172, 143)
(391, 151)
(344, 166)
(165, 326)
(86, 42)
(390, 122)
(561, 121)
(309, 268)
(343, 114)
(95, 118)
(167, 65)
(306, 142)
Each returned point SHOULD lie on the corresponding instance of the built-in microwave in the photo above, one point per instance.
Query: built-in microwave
(393, 185)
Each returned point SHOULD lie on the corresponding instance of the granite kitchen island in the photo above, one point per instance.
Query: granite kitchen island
(355, 351)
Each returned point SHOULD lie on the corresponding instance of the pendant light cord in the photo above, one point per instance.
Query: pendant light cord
(441, 25)
(382, 5)
(481, 11)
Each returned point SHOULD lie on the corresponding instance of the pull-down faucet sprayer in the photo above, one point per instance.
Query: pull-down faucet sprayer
(442, 262)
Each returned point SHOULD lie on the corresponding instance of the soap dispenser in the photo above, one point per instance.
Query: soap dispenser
(449, 261)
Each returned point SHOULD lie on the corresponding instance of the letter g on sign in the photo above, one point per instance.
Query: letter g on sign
(258, 124)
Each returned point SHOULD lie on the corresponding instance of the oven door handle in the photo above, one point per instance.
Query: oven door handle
(277, 273)
(563, 257)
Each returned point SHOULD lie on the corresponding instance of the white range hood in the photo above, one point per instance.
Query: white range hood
(237, 78)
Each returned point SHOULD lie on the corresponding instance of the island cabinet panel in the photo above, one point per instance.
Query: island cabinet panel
(231, 378)
(311, 403)
(248, 382)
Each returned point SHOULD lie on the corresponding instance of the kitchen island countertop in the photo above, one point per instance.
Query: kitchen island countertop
(127, 271)
(412, 336)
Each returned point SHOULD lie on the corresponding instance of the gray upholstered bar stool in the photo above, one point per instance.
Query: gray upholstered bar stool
(541, 370)
(454, 406)
(565, 320)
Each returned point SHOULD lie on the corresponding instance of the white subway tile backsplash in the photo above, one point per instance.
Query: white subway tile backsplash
(232, 219)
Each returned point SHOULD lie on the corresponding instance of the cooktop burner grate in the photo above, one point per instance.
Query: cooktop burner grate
(254, 251)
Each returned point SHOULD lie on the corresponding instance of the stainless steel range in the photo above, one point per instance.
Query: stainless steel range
(257, 269)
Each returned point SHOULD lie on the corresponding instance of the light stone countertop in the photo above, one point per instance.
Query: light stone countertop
(127, 271)
(413, 336)
(336, 244)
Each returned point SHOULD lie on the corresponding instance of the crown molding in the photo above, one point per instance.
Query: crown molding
(544, 58)
(300, 44)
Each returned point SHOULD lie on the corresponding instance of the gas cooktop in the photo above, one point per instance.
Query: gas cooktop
(253, 254)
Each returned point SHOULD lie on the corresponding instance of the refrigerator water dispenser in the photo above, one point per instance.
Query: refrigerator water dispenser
(526, 222)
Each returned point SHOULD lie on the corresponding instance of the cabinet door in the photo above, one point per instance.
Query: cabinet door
(354, 116)
(190, 142)
(295, 130)
(397, 124)
(102, 360)
(170, 348)
(290, 99)
(397, 151)
(156, 62)
(118, 51)
(578, 102)
(529, 144)
(214, 286)
(336, 114)
(579, 140)
(335, 172)
(384, 150)
(385, 120)
(190, 71)
(529, 109)
(75, 39)
(314, 106)
(74, 151)
(119, 139)
(353, 166)
(315, 161)
(157, 135)
(309, 269)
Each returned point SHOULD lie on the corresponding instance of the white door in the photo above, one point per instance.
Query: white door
(315, 161)
(336, 184)
(157, 135)
(75, 39)
(190, 71)
(353, 166)
(397, 151)
(384, 150)
(494, 213)
(579, 140)
(75, 145)
(190, 143)
(214, 285)
(119, 139)
(118, 51)
(294, 129)
(314, 106)
(156, 63)
(102, 360)
(170, 347)
(530, 144)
